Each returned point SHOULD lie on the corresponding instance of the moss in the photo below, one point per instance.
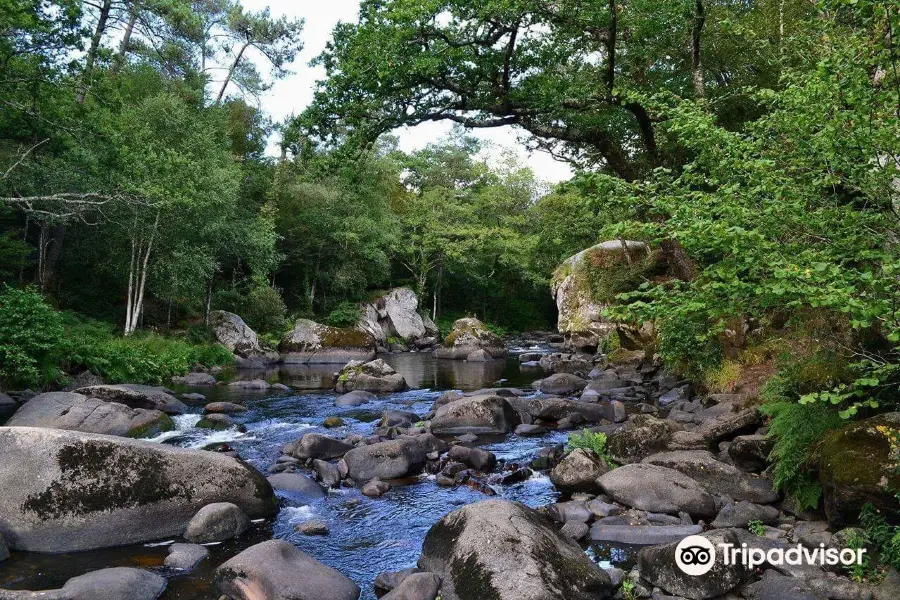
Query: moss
(844, 452)
(164, 423)
(333, 337)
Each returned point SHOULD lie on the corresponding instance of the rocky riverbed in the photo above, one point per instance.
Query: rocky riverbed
(462, 475)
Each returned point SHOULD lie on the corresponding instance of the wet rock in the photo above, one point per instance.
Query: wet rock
(136, 396)
(231, 331)
(479, 356)
(569, 512)
(312, 527)
(417, 586)
(738, 514)
(562, 384)
(557, 409)
(216, 421)
(657, 489)
(642, 436)
(277, 570)
(375, 488)
(679, 394)
(332, 421)
(87, 491)
(328, 474)
(385, 460)
(119, 583)
(478, 459)
(467, 336)
(355, 398)
(482, 550)
(388, 580)
(750, 452)
(75, 412)
(716, 476)
(4, 549)
(398, 418)
(297, 486)
(775, 586)
(314, 445)
(195, 379)
(185, 556)
(193, 397)
(217, 522)
(574, 530)
(251, 384)
(224, 407)
(657, 565)
(373, 376)
(579, 471)
(528, 430)
(477, 414)
(313, 343)
(599, 508)
(641, 535)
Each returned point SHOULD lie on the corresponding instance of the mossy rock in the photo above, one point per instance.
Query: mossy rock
(333, 422)
(858, 464)
(163, 424)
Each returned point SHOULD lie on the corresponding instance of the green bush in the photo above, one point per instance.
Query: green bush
(264, 310)
(31, 335)
(345, 314)
(589, 440)
(690, 345)
(885, 537)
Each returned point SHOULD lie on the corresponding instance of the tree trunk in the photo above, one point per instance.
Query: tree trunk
(138, 277)
(207, 301)
(93, 50)
(237, 59)
(699, 20)
(126, 37)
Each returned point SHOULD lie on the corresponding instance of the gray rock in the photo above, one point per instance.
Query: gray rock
(657, 565)
(476, 414)
(388, 580)
(224, 407)
(312, 527)
(373, 376)
(417, 586)
(528, 430)
(87, 491)
(4, 549)
(642, 436)
(574, 530)
(563, 384)
(250, 384)
(195, 379)
(557, 409)
(716, 476)
(185, 556)
(193, 397)
(231, 331)
(375, 488)
(297, 486)
(750, 452)
(75, 412)
(277, 570)
(119, 583)
(315, 445)
(216, 421)
(467, 336)
(569, 512)
(641, 535)
(579, 471)
(478, 459)
(775, 586)
(136, 396)
(395, 315)
(328, 474)
(482, 550)
(355, 398)
(385, 460)
(479, 356)
(217, 522)
(679, 394)
(657, 489)
(740, 513)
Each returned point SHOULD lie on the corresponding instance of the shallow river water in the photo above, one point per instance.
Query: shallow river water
(367, 536)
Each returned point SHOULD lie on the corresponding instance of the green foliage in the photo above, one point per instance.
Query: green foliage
(884, 537)
(690, 344)
(859, 572)
(345, 314)
(31, 336)
(264, 309)
(589, 440)
(756, 527)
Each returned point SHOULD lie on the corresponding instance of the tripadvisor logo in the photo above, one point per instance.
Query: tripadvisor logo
(696, 555)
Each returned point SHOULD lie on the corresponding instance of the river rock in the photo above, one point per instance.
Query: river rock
(231, 331)
(750, 452)
(738, 514)
(558, 409)
(328, 474)
(195, 379)
(417, 586)
(857, 465)
(224, 407)
(641, 535)
(467, 336)
(250, 384)
(394, 315)
(312, 527)
(642, 436)
(657, 489)
(297, 486)
(375, 488)
(373, 376)
(75, 412)
(87, 491)
(215, 421)
(185, 556)
(355, 398)
(506, 551)
(717, 477)
(388, 580)
(217, 522)
(775, 586)
(478, 459)
(476, 414)
(118, 583)
(313, 343)
(563, 384)
(479, 356)
(136, 396)
(315, 445)
(277, 570)
(657, 565)
(578, 471)
(385, 460)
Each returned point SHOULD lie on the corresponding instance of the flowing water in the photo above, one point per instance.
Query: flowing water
(367, 536)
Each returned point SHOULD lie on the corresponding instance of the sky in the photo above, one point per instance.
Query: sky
(291, 94)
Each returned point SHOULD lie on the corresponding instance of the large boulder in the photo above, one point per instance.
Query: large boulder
(857, 466)
(504, 550)
(313, 343)
(657, 565)
(117, 583)
(385, 460)
(217, 522)
(717, 477)
(316, 445)
(657, 489)
(374, 376)
(642, 436)
(579, 471)
(562, 384)
(231, 331)
(467, 336)
(581, 318)
(136, 396)
(394, 315)
(476, 414)
(67, 410)
(86, 491)
(277, 570)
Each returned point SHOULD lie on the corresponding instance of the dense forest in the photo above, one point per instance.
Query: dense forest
(751, 147)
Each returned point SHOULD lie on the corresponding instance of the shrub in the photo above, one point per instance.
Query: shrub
(885, 537)
(690, 345)
(345, 314)
(264, 309)
(722, 379)
(588, 440)
(31, 335)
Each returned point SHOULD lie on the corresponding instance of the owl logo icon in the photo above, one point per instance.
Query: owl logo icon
(695, 555)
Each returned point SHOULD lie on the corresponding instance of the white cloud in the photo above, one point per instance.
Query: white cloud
(290, 95)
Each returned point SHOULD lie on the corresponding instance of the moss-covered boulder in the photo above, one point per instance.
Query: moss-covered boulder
(467, 336)
(586, 282)
(374, 376)
(501, 550)
(313, 343)
(860, 464)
